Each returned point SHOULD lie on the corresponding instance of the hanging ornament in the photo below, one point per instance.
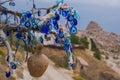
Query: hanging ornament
(18, 35)
(28, 14)
(57, 40)
(45, 29)
(41, 39)
(27, 24)
(8, 74)
(73, 30)
(70, 17)
(13, 65)
(65, 13)
(74, 22)
(61, 35)
(56, 17)
(55, 23)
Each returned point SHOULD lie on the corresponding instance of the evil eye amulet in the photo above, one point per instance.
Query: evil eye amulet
(56, 17)
(70, 17)
(27, 24)
(45, 30)
(18, 35)
(8, 74)
(65, 13)
(74, 22)
(28, 14)
(73, 30)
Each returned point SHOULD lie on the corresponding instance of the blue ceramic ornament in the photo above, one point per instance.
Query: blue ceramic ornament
(57, 40)
(65, 46)
(67, 41)
(8, 74)
(65, 13)
(74, 22)
(28, 14)
(13, 66)
(55, 23)
(27, 24)
(61, 35)
(70, 17)
(56, 17)
(19, 35)
(45, 29)
(73, 30)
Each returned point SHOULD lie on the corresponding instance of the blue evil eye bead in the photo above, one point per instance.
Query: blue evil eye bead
(65, 46)
(57, 40)
(56, 27)
(73, 30)
(22, 20)
(18, 35)
(28, 14)
(61, 35)
(71, 47)
(67, 40)
(32, 20)
(74, 22)
(13, 66)
(70, 17)
(45, 30)
(50, 27)
(34, 26)
(65, 13)
(8, 74)
(56, 17)
(27, 24)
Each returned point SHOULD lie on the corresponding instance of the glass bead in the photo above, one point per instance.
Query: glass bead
(39, 12)
(64, 13)
(74, 22)
(73, 30)
(57, 40)
(70, 17)
(18, 35)
(41, 39)
(56, 17)
(45, 30)
(27, 24)
(8, 74)
(28, 14)
(67, 41)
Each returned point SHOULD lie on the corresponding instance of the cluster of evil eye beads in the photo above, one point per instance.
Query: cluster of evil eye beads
(31, 23)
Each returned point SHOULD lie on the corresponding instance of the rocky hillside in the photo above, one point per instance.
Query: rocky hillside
(107, 42)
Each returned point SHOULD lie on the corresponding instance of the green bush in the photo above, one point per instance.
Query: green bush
(97, 53)
(80, 41)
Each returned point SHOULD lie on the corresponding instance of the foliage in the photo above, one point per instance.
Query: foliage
(94, 48)
(81, 41)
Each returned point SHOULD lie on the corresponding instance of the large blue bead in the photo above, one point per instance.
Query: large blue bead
(28, 14)
(8, 74)
(73, 30)
(13, 66)
(45, 30)
(61, 35)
